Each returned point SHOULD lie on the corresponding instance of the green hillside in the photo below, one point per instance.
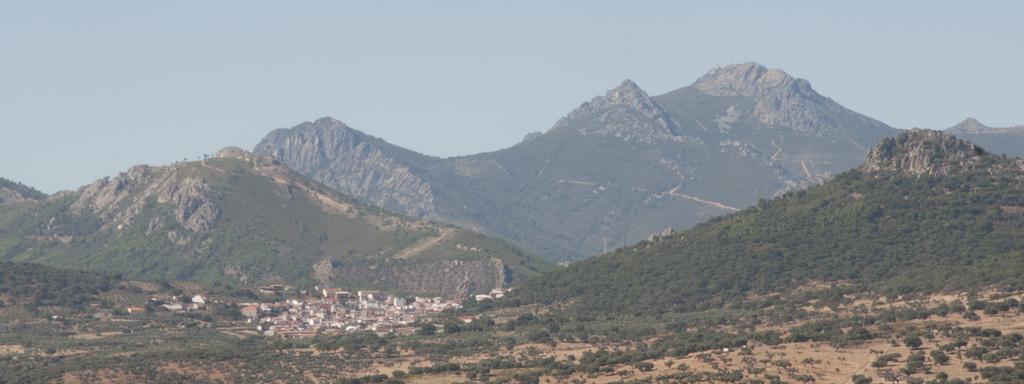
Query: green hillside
(928, 212)
(238, 219)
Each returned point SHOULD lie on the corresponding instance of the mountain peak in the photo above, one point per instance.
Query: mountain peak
(629, 94)
(329, 122)
(750, 79)
(969, 125)
(627, 91)
(923, 152)
(625, 111)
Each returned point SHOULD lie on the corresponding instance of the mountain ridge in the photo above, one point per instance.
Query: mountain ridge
(247, 219)
(613, 170)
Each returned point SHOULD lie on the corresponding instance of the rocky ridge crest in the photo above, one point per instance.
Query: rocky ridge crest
(924, 152)
(625, 111)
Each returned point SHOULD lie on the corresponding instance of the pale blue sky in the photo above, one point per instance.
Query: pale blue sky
(89, 88)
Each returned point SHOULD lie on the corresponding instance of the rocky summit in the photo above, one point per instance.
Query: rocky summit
(611, 172)
(924, 152)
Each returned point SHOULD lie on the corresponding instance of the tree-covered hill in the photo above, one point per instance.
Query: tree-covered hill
(12, 191)
(926, 212)
(248, 220)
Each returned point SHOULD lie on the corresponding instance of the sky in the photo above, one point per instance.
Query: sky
(88, 89)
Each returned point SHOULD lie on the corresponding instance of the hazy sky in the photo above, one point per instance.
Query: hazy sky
(89, 88)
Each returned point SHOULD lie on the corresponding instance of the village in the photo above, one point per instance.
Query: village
(342, 311)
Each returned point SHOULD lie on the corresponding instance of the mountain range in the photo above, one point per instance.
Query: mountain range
(247, 219)
(311, 204)
(925, 212)
(614, 170)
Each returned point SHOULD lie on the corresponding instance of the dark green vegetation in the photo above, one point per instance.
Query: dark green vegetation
(614, 170)
(248, 221)
(37, 285)
(905, 228)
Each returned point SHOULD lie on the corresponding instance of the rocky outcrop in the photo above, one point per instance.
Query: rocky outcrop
(118, 201)
(780, 100)
(351, 162)
(924, 152)
(626, 112)
(233, 153)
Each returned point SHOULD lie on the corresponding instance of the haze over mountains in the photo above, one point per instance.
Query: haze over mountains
(611, 172)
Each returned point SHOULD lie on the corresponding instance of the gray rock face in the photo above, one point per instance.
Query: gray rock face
(780, 99)
(118, 201)
(625, 112)
(351, 162)
(614, 170)
(924, 152)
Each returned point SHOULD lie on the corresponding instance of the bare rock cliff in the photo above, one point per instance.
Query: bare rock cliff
(351, 162)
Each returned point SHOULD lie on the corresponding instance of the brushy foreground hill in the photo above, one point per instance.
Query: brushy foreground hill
(249, 220)
(612, 171)
(925, 212)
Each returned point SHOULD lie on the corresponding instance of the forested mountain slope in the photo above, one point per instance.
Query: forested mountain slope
(925, 212)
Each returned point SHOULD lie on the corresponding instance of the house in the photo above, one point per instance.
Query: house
(199, 299)
(173, 307)
(271, 289)
(399, 301)
(466, 318)
(135, 310)
(251, 311)
(370, 296)
(497, 293)
(482, 297)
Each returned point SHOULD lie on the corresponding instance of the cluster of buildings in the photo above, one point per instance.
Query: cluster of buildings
(175, 304)
(342, 311)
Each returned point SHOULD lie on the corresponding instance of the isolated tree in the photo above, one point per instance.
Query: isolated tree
(427, 330)
(913, 342)
(939, 357)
